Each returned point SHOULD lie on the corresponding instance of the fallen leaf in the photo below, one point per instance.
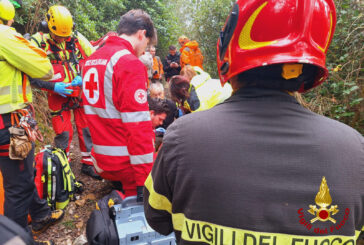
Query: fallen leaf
(80, 202)
(79, 225)
(71, 211)
(90, 196)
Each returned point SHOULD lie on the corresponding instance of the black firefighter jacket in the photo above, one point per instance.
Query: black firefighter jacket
(258, 169)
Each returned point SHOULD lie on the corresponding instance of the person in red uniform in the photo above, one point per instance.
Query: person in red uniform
(67, 50)
(115, 103)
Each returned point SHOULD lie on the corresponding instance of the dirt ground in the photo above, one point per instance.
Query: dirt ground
(72, 229)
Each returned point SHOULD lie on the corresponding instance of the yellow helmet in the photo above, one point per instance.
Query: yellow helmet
(7, 10)
(59, 21)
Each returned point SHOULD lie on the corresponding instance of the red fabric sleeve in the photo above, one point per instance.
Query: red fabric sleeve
(130, 98)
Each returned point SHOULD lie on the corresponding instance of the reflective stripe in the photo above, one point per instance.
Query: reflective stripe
(110, 114)
(110, 111)
(160, 202)
(85, 154)
(49, 183)
(5, 108)
(141, 159)
(156, 200)
(97, 168)
(86, 159)
(138, 116)
(209, 233)
(116, 151)
(5, 90)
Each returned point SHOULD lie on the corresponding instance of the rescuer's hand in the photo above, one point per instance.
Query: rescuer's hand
(77, 81)
(160, 132)
(62, 88)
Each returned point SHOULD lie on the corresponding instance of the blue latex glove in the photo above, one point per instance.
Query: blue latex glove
(77, 81)
(62, 88)
(160, 130)
(180, 113)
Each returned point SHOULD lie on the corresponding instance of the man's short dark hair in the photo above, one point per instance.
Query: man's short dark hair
(271, 77)
(172, 47)
(157, 105)
(135, 20)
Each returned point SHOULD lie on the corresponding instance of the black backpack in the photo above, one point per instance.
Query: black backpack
(100, 229)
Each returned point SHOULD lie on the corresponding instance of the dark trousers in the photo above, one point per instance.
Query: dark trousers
(21, 196)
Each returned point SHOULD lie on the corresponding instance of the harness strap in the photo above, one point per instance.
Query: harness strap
(80, 48)
(14, 117)
(66, 106)
(24, 81)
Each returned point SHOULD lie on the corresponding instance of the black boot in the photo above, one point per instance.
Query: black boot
(90, 171)
(41, 225)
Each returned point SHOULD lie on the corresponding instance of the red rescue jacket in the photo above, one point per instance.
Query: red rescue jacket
(116, 108)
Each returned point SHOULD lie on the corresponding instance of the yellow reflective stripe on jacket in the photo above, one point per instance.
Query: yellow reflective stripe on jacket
(209, 233)
(200, 231)
(156, 200)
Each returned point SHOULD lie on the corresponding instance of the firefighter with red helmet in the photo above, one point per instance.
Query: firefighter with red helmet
(67, 51)
(116, 107)
(260, 168)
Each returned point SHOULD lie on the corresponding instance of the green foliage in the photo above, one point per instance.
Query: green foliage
(163, 18)
(343, 93)
(341, 97)
(92, 18)
(97, 17)
(207, 32)
(202, 20)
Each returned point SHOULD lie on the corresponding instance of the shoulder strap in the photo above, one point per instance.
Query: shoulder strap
(66, 169)
(51, 183)
(78, 45)
(42, 44)
(36, 41)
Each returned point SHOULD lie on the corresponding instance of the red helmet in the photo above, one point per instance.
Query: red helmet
(264, 32)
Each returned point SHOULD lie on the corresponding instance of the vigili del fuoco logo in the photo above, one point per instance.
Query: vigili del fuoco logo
(323, 210)
(323, 200)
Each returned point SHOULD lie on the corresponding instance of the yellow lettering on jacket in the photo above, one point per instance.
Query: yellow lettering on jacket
(199, 231)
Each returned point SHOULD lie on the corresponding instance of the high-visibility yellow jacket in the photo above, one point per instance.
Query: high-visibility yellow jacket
(18, 58)
(61, 54)
(209, 91)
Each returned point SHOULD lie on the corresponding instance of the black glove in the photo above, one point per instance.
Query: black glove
(140, 193)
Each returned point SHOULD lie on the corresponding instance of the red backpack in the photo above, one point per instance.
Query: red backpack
(54, 178)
